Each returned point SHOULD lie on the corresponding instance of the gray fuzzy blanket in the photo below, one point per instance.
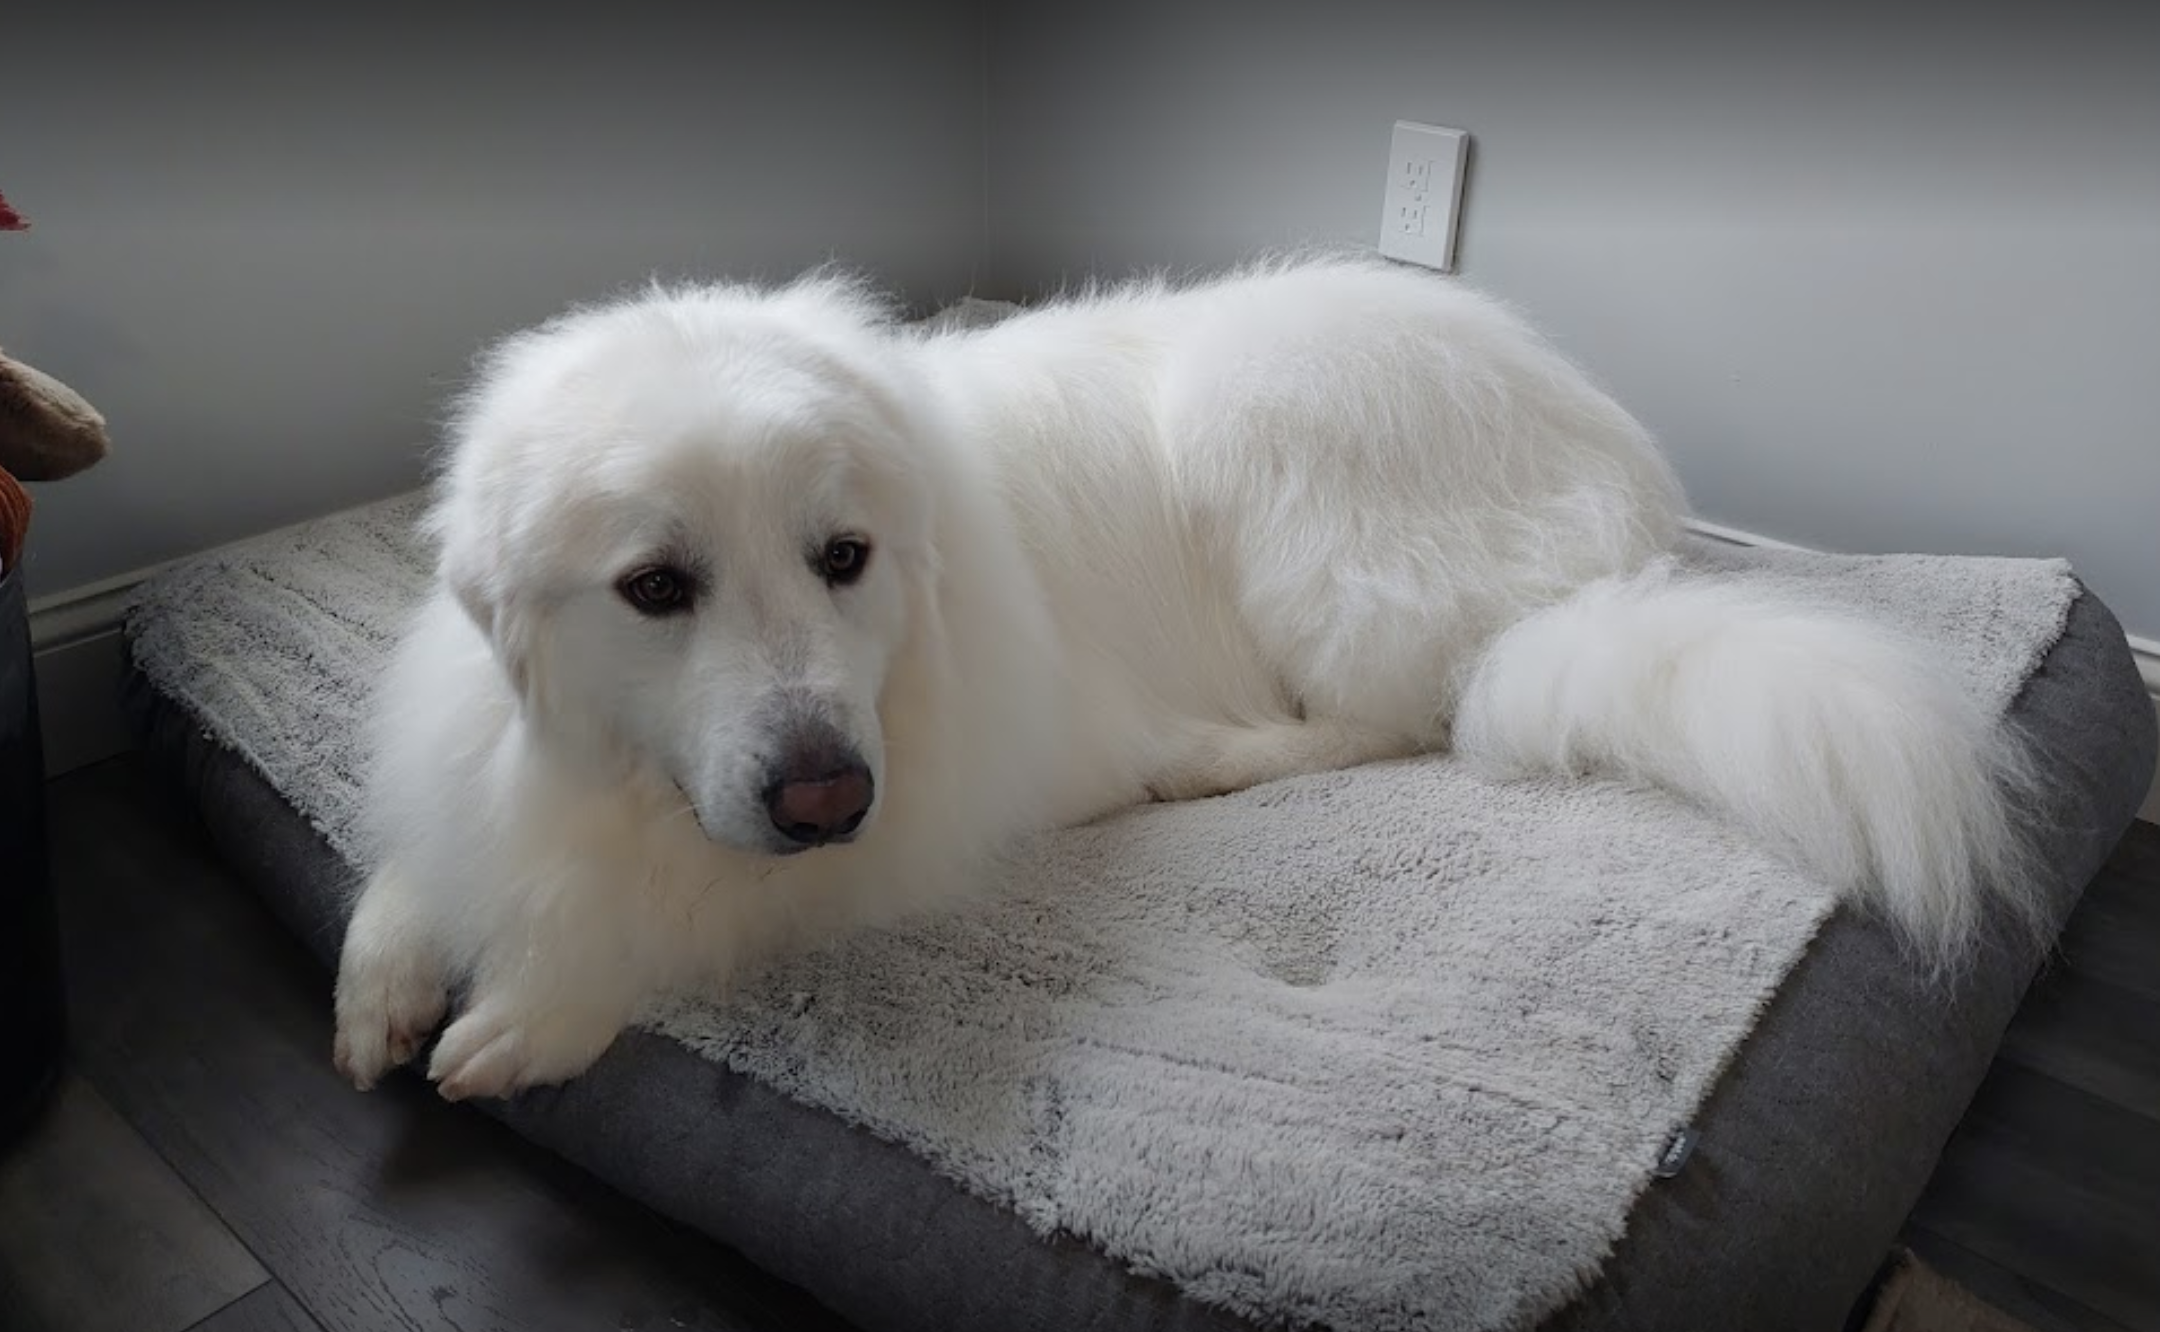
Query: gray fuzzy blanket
(1391, 1048)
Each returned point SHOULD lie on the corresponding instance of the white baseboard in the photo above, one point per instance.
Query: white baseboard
(1733, 536)
(75, 636)
(77, 654)
(78, 702)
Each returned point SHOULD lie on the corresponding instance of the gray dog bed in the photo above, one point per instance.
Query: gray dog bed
(1394, 1048)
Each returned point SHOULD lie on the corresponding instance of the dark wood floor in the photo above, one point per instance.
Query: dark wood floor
(204, 1168)
(2047, 1200)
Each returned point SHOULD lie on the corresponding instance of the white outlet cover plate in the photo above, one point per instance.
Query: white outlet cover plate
(1423, 203)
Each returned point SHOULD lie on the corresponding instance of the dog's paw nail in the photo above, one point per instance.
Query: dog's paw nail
(348, 1067)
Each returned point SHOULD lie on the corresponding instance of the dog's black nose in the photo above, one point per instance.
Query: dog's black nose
(819, 797)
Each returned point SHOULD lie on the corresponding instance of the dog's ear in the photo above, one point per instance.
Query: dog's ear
(471, 578)
(469, 586)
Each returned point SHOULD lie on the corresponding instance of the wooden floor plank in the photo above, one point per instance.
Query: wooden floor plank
(209, 1029)
(2040, 1306)
(2085, 1139)
(271, 1308)
(97, 1234)
(2047, 1198)
(2114, 936)
(2058, 1186)
(2094, 1035)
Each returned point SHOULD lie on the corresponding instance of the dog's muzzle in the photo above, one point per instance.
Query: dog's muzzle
(819, 791)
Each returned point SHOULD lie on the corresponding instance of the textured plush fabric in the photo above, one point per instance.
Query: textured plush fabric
(1388, 1048)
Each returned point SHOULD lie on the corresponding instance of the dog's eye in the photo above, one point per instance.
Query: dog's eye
(658, 590)
(844, 560)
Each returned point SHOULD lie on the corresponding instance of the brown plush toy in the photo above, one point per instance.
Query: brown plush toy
(47, 432)
(14, 519)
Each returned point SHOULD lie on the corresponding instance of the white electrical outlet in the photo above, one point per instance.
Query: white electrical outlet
(1424, 194)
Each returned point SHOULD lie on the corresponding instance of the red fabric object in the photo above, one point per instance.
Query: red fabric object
(10, 220)
(14, 520)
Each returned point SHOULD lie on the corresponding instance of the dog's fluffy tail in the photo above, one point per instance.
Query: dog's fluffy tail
(1827, 735)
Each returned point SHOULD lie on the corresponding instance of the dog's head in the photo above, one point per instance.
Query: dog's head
(695, 527)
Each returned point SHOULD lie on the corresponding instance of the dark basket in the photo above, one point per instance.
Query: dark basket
(33, 1029)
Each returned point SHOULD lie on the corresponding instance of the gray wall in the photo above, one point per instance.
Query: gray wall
(265, 245)
(1877, 287)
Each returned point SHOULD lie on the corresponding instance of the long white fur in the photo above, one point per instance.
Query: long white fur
(1153, 541)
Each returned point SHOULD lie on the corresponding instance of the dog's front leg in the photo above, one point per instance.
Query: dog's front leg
(1217, 759)
(393, 978)
(546, 1002)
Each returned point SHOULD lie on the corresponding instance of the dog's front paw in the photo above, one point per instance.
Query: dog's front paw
(501, 1046)
(381, 1024)
(389, 999)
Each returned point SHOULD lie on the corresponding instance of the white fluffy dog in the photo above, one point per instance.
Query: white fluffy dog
(763, 615)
